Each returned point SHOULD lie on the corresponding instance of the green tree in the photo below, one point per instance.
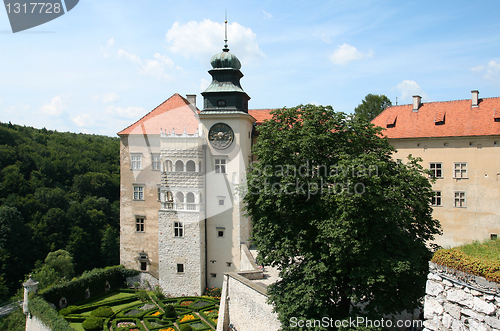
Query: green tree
(371, 106)
(57, 267)
(345, 224)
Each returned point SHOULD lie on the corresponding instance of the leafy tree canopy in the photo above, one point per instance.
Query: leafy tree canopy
(345, 224)
(57, 191)
(371, 106)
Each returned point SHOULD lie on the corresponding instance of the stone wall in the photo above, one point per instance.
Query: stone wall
(34, 324)
(458, 301)
(145, 280)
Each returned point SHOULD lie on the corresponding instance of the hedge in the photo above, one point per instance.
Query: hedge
(41, 309)
(458, 260)
(95, 281)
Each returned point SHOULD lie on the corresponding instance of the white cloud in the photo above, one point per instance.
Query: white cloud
(346, 53)
(110, 97)
(409, 88)
(129, 112)
(267, 15)
(55, 107)
(82, 120)
(155, 68)
(490, 72)
(109, 44)
(204, 39)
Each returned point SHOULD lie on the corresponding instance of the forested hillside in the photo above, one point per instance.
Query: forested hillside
(57, 191)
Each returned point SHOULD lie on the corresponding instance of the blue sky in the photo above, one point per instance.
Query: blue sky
(105, 64)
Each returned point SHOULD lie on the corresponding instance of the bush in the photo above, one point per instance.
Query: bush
(68, 310)
(159, 293)
(186, 327)
(93, 324)
(142, 295)
(48, 315)
(453, 258)
(170, 312)
(104, 311)
(213, 292)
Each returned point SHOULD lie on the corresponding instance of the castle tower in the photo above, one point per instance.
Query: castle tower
(227, 128)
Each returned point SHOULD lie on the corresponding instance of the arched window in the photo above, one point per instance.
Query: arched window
(179, 166)
(190, 203)
(190, 166)
(190, 198)
(179, 200)
(168, 166)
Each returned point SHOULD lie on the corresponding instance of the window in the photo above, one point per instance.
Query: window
(190, 166)
(180, 267)
(220, 166)
(179, 201)
(155, 162)
(221, 202)
(179, 166)
(168, 166)
(460, 170)
(228, 264)
(213, 275)
(136, 161)
(220, 232)
(139, 224)
(138, 192)
(436, 199)
(221, 103)
(144, 266)
(190, 203)
(460, 201)
(436, 169)
(178, 229)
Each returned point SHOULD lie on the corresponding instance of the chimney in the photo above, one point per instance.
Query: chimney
(417, 101)
(192, 99)
(475, 98)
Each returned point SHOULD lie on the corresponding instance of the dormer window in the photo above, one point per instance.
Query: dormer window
(221, 103)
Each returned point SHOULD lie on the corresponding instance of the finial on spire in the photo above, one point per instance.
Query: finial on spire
(226, 48)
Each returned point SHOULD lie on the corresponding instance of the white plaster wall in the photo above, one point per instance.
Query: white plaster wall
(245, 306)
(34, 324)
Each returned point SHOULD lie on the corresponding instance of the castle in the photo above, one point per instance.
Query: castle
(181, 217)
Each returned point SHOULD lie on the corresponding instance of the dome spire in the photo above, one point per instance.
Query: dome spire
(226, 48)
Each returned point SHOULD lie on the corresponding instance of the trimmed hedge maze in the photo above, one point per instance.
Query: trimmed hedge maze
(124, 311)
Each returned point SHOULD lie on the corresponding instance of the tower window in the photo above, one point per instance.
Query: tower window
(220, 166)
(155, 162)
(180, 267)
(178, 229)
(144, 266)
(221, 103)
(136, 161)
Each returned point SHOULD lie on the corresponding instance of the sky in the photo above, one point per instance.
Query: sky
(106, 63)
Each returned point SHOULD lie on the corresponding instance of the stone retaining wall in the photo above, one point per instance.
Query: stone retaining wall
(458, 301)
(145, 280)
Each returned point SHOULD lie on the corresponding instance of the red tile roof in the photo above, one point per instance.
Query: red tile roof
(260, 115)
(173, 114)
(441, 119)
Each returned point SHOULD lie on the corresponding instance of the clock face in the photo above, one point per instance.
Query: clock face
(220, 135)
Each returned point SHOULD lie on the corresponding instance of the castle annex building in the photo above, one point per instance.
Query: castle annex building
(181, 217)
(459, 142)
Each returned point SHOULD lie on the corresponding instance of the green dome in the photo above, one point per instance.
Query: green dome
(225, 60)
